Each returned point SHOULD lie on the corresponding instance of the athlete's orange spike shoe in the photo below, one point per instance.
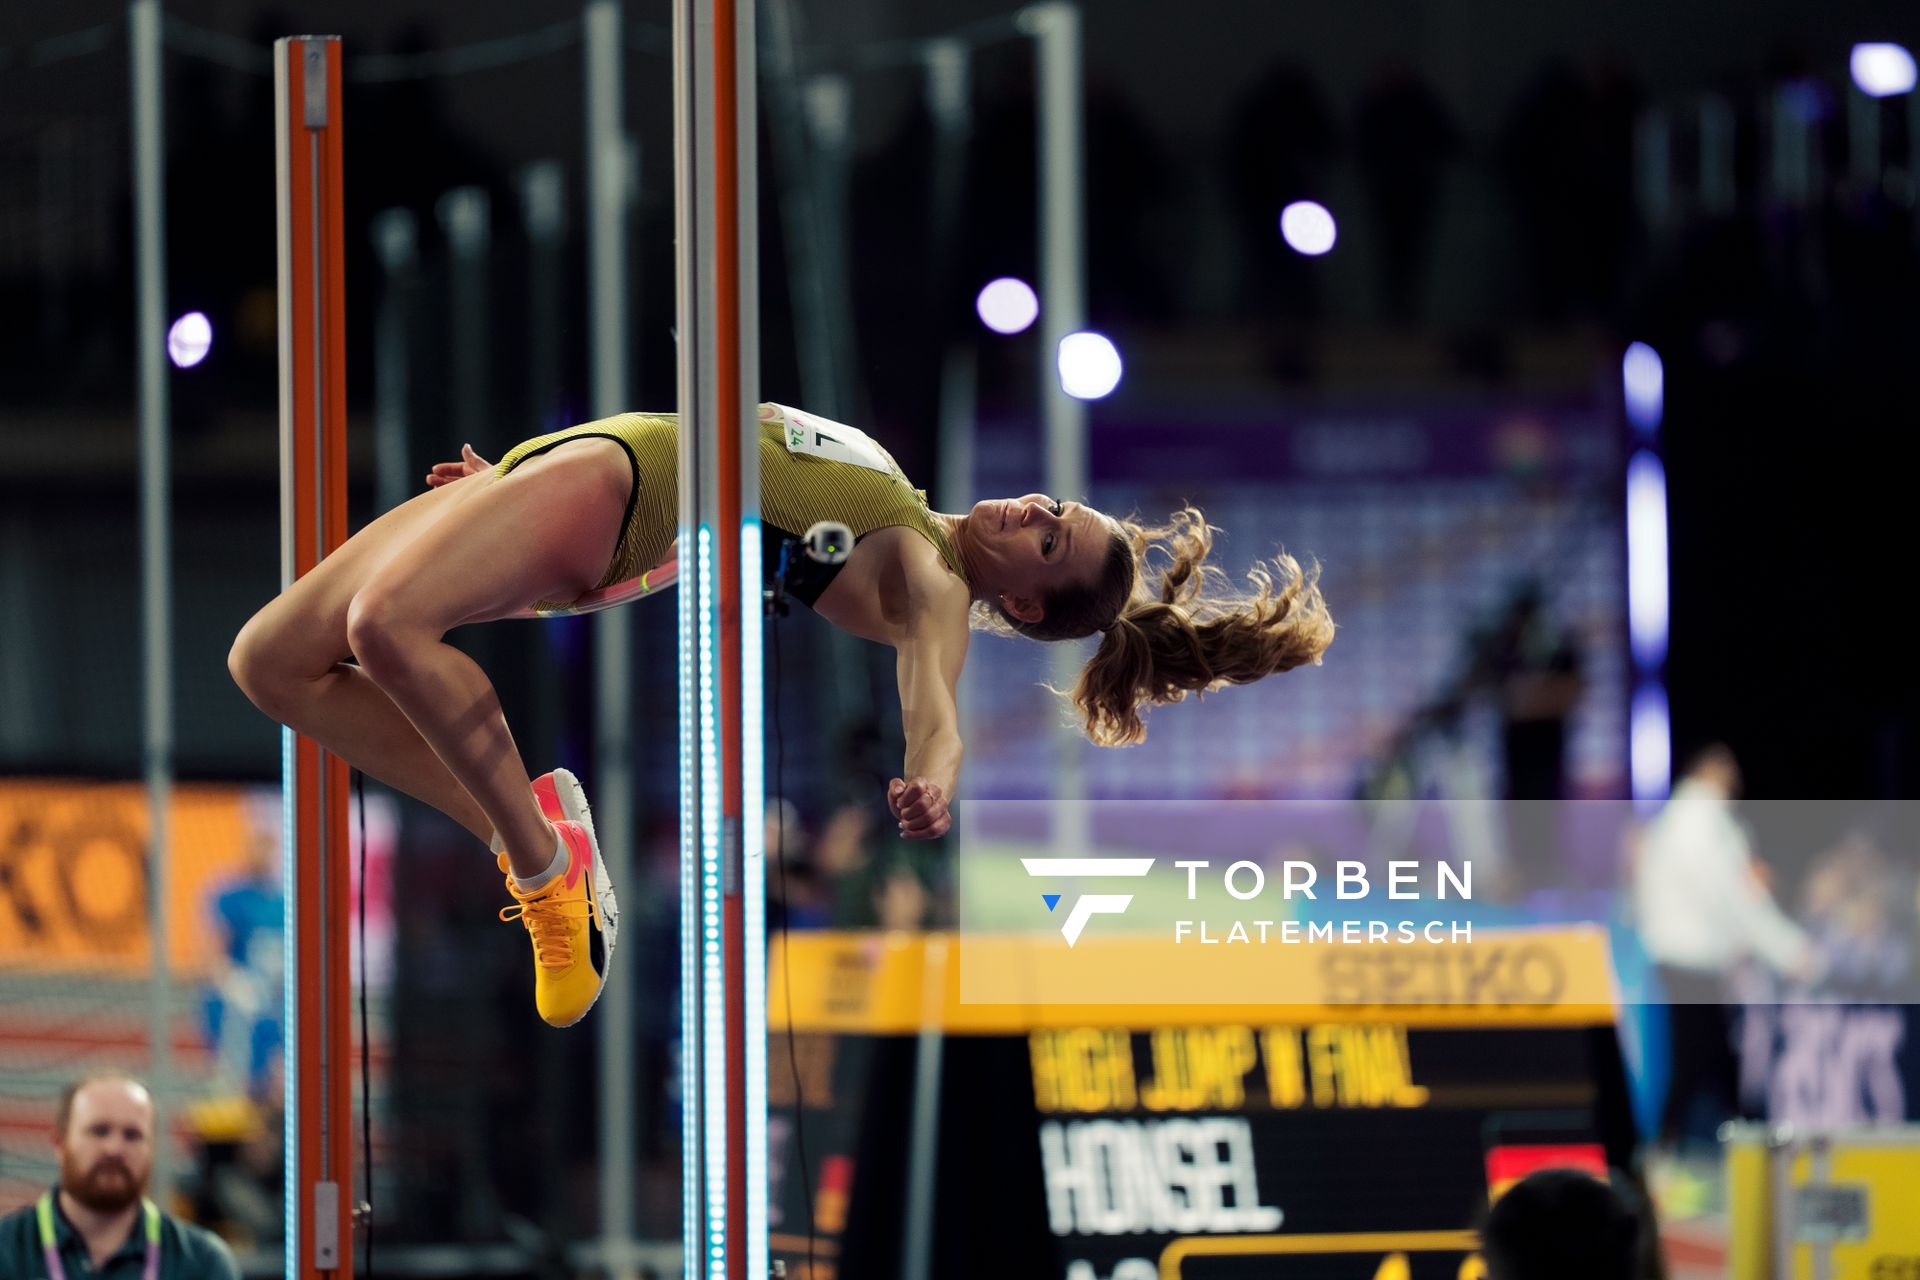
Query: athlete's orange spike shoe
(562, 800)
(561, 917)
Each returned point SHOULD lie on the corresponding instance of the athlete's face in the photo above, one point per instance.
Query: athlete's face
(106, 1154)
(1031, 546)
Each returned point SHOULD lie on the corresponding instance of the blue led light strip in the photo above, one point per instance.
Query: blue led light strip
(689, 595)
(753, 829)
(713, 957)
(290, 1004)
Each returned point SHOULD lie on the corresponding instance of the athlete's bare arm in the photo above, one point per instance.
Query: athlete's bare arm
(931, 645)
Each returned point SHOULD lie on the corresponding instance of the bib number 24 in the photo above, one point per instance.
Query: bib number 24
(834, 441)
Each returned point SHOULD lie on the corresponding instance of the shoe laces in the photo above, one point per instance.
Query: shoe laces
(548, 916)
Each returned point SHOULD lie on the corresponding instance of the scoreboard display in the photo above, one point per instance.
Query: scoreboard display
(1122, 1142)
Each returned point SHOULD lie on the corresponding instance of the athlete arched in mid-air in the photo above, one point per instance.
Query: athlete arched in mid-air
(353, 654)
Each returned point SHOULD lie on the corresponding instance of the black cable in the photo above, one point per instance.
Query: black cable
(786, 952)
(366, 1075)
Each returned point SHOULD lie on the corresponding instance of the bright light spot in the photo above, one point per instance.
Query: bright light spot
(1647, 560)
(1007, 305)
(1089, 365)
(1644, 379)
(189, 340)
(1307, 228)
(1882, 70)
(1650, 746)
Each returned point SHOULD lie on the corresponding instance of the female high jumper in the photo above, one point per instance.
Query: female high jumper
(353, 654)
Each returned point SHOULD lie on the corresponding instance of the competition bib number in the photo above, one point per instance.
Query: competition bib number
(819, 437)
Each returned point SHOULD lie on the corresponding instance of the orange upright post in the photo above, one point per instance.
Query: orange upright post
(313, 521)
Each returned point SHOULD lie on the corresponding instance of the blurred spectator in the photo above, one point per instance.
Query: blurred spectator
(866, 888)
(1859, 911)
(1532, 665)
(1564, 1224)
(656, 959)
(795, 899)
(866, 756)
(786, 831)
(239, 1164)
(844, 859)
(1405, 138)
(96, 1221)
(1836, 1062)
(1529, 667)
(900, 899)
(243, 997)
(1703, 908)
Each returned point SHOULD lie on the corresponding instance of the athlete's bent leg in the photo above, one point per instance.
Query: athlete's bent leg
(289, 659)
(544, 532)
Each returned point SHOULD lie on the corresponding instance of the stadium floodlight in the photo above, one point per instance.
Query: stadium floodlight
(1643, 381)
(189, 340)
(1007, 305)
(1647, 590)
(1089, 365)
(1882, 70)
(1308, 228)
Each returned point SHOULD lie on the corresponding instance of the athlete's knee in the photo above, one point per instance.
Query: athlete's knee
(382, 633)
(258, 664)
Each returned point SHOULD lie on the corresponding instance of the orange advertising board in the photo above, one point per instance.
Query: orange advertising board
(73, 870)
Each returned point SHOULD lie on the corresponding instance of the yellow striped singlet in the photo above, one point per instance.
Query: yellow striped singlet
(795, 492)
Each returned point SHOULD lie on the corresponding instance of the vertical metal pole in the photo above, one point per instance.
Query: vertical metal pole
(959, 414)
(543, 207)
(809, 164)
(723, 1016)
(395, 243)
(1863, 138)
(1652, 165)
(823, 333)
(695, 900)
(949, 92)
(1910, 196)
(1063, 284)
(543, 211)
(1791, 163)
(58, 182)
(609, 193)
(1820, 1174)
(1055, 26)
(826, 332)
(1717, 190)
(826, 102)
(156, 552)
(748, 1097)
(466, 216)
(923, 1146)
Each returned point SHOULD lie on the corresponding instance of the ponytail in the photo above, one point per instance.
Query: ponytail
(1190, 632)
(1186, 631)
